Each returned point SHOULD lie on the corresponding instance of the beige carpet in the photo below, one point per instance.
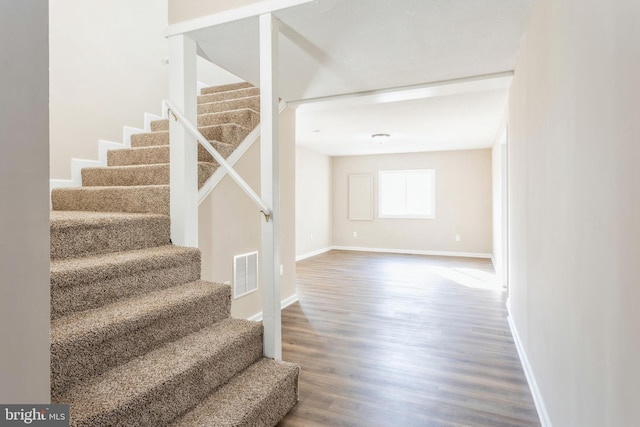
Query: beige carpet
(137, 339)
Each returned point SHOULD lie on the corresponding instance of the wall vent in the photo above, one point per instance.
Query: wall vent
(245, 274)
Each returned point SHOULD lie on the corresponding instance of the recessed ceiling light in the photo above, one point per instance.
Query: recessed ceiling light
(316, 131)
(380, 138)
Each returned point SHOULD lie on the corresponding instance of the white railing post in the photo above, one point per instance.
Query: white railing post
(270, 185)
(184, 150)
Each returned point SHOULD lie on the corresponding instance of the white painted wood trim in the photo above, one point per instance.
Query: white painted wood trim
(199, 86)
(183, 148)
(413, 252)
(270, 185)
(249, 11)
(545, 421)
(284, 304)
(213, 181)
(313, 253)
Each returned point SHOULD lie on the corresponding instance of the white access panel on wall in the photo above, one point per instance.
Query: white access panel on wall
(361, 197)
(245, 274)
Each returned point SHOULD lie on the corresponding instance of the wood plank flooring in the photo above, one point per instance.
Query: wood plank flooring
(402, 340)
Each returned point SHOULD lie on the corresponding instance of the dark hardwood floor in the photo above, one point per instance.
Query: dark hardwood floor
(402, 340)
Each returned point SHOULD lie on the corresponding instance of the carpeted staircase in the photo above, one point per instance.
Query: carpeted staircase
(137, 339)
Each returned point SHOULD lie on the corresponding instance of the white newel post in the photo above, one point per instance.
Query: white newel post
(270, 185)
(184, 149)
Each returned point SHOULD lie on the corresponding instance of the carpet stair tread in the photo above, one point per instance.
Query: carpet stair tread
(230, 94)
(245, 117)
(134, 199)
(252, 102)
(75, 233)
(91, 281)
(114, 319)
(153, 389)
(133, 175)
(230, 133)
(225, 88)
(153, 155)
(261, 395)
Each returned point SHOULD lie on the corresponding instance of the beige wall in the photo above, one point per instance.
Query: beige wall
(575, 209)
(463, 204)
(106, 71)
(230, 222)
(499, 201)
(24, 210)
(313, 202)
(183, 10)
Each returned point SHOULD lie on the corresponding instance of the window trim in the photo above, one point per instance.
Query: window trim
(430, 172)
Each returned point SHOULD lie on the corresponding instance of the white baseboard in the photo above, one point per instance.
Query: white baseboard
(313, 253)
(528, 372)
(283, 304)
(413, 252)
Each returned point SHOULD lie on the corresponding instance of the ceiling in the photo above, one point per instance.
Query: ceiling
(337, 56)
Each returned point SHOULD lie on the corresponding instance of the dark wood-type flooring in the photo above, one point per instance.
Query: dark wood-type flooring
(402, 340)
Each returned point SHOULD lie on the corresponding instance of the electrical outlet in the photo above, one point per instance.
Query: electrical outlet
(355, 234)
(228, 282)
(457, 238)
(281, 270)
(311, 236)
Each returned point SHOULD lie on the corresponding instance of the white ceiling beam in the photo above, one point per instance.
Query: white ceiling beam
(472, 84)
(249, 11)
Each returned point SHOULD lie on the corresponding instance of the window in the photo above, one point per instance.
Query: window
(407, 193)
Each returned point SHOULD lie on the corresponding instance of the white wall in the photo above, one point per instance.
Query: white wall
(463, 204)
(212, 75)
(182, 10)
(106, 71)
(230, 222)
(574, 181)
(24, 210)
(313, 202)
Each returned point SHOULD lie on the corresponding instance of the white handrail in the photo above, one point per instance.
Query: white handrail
(264, 208)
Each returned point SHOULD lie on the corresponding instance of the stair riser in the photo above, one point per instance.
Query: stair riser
(87, 290)
(142, 175)
(73, 361)
(184, 391)
(67, 242)
(245, 117)
(148, 199)
(225, 88)
(235, 104)
(225, 96)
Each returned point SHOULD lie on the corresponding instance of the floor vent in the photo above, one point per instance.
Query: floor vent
(245, 274)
